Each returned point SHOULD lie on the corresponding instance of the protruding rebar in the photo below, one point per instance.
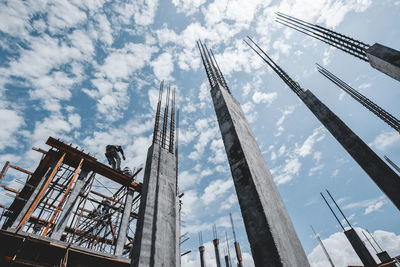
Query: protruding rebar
(337, 206)
(177, 150)
(369, 241)
(340, 41)
(211, 67)
(220, 73)
(212, 72)
(378, 111)
(172, 124)
(397, 168)
(165, 123)
(374, 240)
(323, 247)
(157, 120)
(228, 250)
(281, 73)
(334, 214)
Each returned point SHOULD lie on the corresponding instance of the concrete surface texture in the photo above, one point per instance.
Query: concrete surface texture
(156, 239)
(383, 176)
(359, 247)
(385, 59)
(270, 232)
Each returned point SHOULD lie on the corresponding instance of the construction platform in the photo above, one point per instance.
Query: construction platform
(71, 211)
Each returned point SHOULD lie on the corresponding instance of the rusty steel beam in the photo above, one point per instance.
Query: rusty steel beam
(4, 171)
(20, 169)
(10, 189)
(63, 198)
(32, 207)
(39, 150)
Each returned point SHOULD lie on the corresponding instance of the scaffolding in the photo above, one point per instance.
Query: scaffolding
(74, 201)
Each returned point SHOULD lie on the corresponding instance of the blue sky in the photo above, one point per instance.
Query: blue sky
(88, 72)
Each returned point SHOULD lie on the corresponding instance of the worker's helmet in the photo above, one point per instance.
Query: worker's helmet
(126, 171)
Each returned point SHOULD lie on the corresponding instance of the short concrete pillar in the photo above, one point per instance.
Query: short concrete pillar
(124, 224)
(69, 205)
(227, 261)
(156, 235)
(201, 250)
(385, 59)
(359, 247)
(383, 176)
(216, 249)
(384, 258)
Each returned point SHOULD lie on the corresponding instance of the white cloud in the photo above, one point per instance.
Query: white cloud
(207, 130)
(282, 46)
(216, 190)
(327, 55)
(266, 98)
(103, 30)
(11, 122)
(315, 169)
(59, 19)
(163, 66)
(369, 205)
(287, 171)
(335, 173)
(343, 254)
(364, 85)
(386, 140)
(142, 11)
(317, 135)
(189, 7)
(217, 147)
(123, 62)
(289, 110)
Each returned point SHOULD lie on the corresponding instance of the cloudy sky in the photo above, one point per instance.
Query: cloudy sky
(88, 72)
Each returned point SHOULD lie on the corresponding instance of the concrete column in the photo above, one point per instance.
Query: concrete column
(238, 254)
(383, 176)
(385, 59)
(216, 249)
(33, 196)
(69, 205)
(384, 257)
(359, 247)
(227, 261)
(271, 234)
(124, 224)
(156, 234)
(202, 262)
(178, 236)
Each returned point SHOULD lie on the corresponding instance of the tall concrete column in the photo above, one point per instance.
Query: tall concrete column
(69, 205)
(271, 234)
(383, 176)
(384, 59)
(33, 196)
(156, 232)
(124, 224)
(359, 247)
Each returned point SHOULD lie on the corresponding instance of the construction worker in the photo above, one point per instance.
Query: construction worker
(112, 156)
